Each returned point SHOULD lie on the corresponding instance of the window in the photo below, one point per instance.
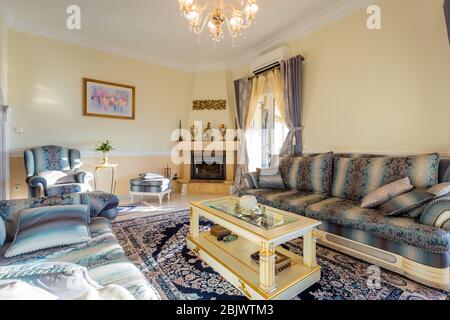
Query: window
(267, 133)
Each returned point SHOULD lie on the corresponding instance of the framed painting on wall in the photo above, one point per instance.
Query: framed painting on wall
(108, 100)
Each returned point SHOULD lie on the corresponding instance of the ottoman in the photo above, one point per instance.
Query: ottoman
(156, 186)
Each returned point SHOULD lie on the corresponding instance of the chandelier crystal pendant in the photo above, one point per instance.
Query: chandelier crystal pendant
(220, 14)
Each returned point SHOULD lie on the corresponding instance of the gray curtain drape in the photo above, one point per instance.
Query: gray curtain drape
(243, 91)
(447, 16)
(291, 74)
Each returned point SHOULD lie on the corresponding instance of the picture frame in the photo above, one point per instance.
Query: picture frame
(106, 99)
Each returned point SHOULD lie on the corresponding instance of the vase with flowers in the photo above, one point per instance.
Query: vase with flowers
(105, 147)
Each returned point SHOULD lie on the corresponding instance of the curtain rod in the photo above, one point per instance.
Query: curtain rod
(273, 68)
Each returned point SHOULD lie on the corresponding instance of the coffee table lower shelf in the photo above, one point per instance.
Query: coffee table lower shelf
(233, 262)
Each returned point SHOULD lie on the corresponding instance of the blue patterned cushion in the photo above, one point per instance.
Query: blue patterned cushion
(311, 174)
(51, 158)
(294, 201)
(60, 189)
(437, 213)
(2, 232)
(103, 256)
(353, 179)
(50, 227)
(9, 210)
(405, 230)
(405, 203)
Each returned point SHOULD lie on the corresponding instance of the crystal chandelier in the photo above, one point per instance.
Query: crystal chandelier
(220, 14)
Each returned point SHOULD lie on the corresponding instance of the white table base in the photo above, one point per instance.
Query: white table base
(150, 194)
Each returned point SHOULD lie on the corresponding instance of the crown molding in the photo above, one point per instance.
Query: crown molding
(74, 38)
(316, 22)
(7, 12)
(327, 16)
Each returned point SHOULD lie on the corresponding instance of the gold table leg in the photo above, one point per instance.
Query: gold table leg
(267, 259)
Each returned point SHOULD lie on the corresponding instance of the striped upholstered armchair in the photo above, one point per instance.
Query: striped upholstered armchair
(54, 171)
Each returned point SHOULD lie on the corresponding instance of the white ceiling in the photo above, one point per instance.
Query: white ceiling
(154, 30)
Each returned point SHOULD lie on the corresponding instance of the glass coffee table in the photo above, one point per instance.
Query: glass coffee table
(260, 232)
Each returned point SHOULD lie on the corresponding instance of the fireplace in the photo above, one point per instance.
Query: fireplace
(208, 167)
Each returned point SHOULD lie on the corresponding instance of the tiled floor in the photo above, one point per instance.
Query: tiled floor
(150, 205)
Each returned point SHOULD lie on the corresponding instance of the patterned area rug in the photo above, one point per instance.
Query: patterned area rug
(157, 245)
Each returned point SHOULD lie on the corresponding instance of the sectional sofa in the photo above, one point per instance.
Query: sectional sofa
(102, 256)
(329, 187)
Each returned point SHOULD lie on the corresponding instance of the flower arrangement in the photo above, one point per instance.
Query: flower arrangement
(105, 147)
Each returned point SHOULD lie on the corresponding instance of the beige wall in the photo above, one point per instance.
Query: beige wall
(213, 85)
(46, 92)
(378, 91)
(3, 59)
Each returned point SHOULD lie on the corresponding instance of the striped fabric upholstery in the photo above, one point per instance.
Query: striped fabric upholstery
(2, 232)
(405, 230)
(294, 201)
(103, 256)
(354, 178)
(311, 174)
(50, 227)
(406, 203)
(437, 213)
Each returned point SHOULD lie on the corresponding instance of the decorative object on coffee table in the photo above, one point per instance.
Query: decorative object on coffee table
(113, 169)
(282, 262)
(219, 232)
(105, 147)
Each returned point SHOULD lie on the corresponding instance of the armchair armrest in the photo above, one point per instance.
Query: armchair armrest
(35, 183)
(437, 213)
(82, 177)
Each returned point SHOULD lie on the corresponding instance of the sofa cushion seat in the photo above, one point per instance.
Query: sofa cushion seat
(103, 256)
(404, 230)
(293, 201)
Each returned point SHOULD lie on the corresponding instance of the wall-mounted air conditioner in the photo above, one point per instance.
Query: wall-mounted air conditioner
(270, 60)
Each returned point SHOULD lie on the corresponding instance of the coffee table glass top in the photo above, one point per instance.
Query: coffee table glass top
(267, 220)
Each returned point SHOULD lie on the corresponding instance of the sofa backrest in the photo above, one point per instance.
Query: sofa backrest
(356, 176)
(312, 174)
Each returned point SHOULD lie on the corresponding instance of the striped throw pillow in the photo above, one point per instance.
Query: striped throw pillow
(50, 227)
(405, 203)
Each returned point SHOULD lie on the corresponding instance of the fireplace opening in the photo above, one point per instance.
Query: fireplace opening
(208, 167)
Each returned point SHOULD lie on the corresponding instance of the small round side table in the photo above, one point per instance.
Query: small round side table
(107, 166)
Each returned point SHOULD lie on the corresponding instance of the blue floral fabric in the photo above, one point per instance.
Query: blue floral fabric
(294, 201)
(100, 204)
(57, 190)
(353, 179)
(406, 230)
(103, 257)
(311, 174)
